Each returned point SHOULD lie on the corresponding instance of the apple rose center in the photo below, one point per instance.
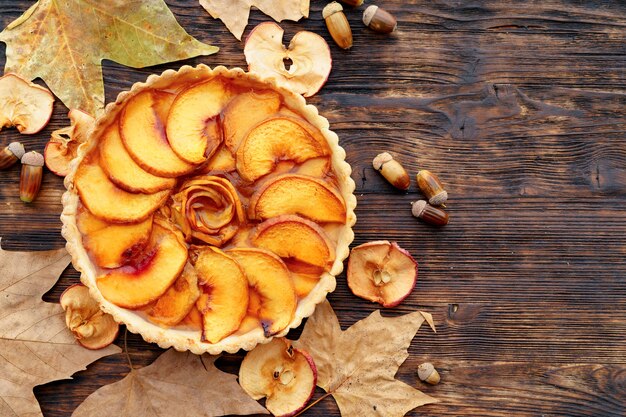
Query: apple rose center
(208, 208)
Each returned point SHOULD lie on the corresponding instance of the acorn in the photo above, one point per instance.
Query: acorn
(11, 154)
(31, 175)
(379, 20)
(431, 187)
(426, 372)
(392, 170)
(432, 215)
(337, 24)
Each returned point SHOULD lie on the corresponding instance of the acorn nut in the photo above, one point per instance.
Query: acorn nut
(431, 187)
(426, 372)
(392, 170)
(31, 175)
(11, 154)
(432, 215)
(379, 20)
(337, 24)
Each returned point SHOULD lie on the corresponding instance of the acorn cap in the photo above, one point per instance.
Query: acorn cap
(380, 160)
(369, 13)
(331, 9)
(439, 198)
(16, 149)
(33, 158)
(417, 208)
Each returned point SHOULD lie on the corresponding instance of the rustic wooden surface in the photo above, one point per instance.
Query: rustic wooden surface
(519, 106)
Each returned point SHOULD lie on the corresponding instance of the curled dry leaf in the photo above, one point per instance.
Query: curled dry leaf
(235, 13)
(35, 345)
(50, 40)
(177, 384)
(308, 52)
(93, 328)
(25, 105)
(357, 366)
(63, 145)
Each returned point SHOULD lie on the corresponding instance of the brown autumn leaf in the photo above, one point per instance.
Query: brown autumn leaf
(235, 13)
(64, 43)
(35, 345)
(177, 384)
(357, 366)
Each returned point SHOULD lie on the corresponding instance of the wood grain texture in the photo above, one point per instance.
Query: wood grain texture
(518, 106)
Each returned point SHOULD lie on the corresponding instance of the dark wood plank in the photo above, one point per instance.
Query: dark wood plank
(519, 107)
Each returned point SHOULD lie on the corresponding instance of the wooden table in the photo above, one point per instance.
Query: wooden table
(519, 107)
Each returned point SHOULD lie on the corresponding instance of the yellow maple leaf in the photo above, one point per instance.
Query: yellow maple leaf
(235, 13)
(64, 42)
(357, 366)
(36, 346)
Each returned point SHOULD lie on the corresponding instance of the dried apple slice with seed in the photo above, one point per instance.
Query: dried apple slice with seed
(285, 376)
(91, 327)
(308, 52)
(23, 104)
(381, 271)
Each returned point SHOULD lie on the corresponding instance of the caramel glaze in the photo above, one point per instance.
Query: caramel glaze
(244, 190)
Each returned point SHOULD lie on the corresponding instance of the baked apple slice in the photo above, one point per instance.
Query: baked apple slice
(270, 278)
(222, 160)
(123, 170)
(146, 279)
(142, 127)
(293, 237)
(244, 112)
(112, 245)
(278, 139)
(223, 300)
(173, 306)
(107, 201)
(297, 194)
(284, 375)
(193, 126)
(381, 271)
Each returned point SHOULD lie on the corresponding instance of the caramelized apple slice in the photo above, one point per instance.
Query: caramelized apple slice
(290, 236)
(193, 129)
(112, 245)
(173, 306)
(298, 194)
(123, 170)
(138, 284)
(382, 272)
(275, 140)
(222, 160)
(143, 133)
(304, 283)
(244, 112)
(270, 278)
(284, 375)
(224, 298)
(109, 202)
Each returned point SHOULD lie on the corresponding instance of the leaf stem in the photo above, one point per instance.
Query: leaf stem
(313, 403)
(130, 363)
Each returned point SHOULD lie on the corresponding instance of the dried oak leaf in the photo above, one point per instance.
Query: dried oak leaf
(235, 13)
(357, 366)
(177, 384)
(35, 345)
(64, 42)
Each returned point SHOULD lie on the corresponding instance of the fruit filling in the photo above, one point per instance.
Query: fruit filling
(210, 206)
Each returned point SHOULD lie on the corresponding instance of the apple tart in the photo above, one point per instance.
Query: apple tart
(209, 210)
